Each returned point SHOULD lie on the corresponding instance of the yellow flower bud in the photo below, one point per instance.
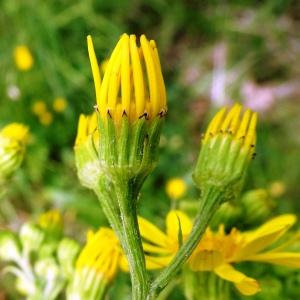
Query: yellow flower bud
(227, 147)
(13, 138)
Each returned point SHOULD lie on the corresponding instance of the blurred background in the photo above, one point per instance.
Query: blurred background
(212, 53)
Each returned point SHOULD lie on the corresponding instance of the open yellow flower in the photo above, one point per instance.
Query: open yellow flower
(217, 251)
(132, 84)
(161, 247)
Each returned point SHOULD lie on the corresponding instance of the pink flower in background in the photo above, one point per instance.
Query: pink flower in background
(263, 97)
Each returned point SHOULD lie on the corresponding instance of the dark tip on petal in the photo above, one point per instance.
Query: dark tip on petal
(229, 131)
(162, 113)
(96, 107)
(221, 131)
(211, 134)
(124, 113)
(252, 145)
(144, 115)
(108, 112)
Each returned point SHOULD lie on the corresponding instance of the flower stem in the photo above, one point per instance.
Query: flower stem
(211, 199)
(131, 242)
(119, 202)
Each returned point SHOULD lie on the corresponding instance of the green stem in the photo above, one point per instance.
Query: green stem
(131, 242)
(119, 205)
(210, 201)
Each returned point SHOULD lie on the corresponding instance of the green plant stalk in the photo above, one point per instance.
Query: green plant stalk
(211, 199)
(123, 219)
(131, 241)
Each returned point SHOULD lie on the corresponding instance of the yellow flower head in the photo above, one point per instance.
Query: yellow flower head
(39, 107)
(101, 254)
(132, 84)
(176, 188)
(13, 138)
(87, 126)
(23, 58)
(60, 104)
(240, 126)
(217, 251)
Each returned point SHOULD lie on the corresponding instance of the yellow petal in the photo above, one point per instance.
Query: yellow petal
(264, 236)
(246, 285)
(176, 218)
(288, 259)
(149, 248)
(206, 260)
(153, 263)
(151, 233)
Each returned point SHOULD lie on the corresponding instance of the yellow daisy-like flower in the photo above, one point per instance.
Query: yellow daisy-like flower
(175, 188)
(161, 247)
(13, 139)
(23, 58)
(132, 84)
(60, 104)
(217, 251)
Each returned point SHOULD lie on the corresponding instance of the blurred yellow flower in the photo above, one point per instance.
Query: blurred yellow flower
(217, 251)
(13, 139)
(23, 58)
(60, 104)
(39, 107)
(15, 131)
(277, 188)
(175, 188)
(132, 84)
(46, 118)
(51, 221)
(101, 254)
